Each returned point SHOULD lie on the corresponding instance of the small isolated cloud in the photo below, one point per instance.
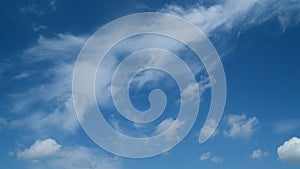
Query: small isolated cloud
(286, 126)
(41, 149)
(241, 126)
(205, 156)
(22, 75)
(216, 159)
(258, 154)
(38, 28)
(208, 156)
(48, 154)
(290, 151)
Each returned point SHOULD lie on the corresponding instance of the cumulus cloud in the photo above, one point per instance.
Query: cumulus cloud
(258, 154)
(290, 151)
(240, 126)
(208, 156)
(41, 149)
(47, 154)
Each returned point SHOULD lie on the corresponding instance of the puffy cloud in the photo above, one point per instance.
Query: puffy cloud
(258, 154)
(240, 126)
(290, 151)
(48, 154)
(41, 149)
(208, 156)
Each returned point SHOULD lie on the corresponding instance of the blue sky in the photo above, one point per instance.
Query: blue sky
(258, 43)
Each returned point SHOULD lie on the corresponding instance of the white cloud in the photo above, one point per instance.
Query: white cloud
(209, 128)
(190, 92)
(38, 28)
(48, 154)
(258, 154)
(286, 126)
(166, 124)
(205, 156)
(60, 116)
(230, 14)
(35, 7)
(22, 75)
(208, 156)
(32, 8)
(60, 54)
(82, 157)
(64, 48)
(41, 149)
(240, 126)
(290, 151)
(216, 159)
(61, 48)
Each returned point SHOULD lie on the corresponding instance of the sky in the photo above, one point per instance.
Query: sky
(257, 42)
